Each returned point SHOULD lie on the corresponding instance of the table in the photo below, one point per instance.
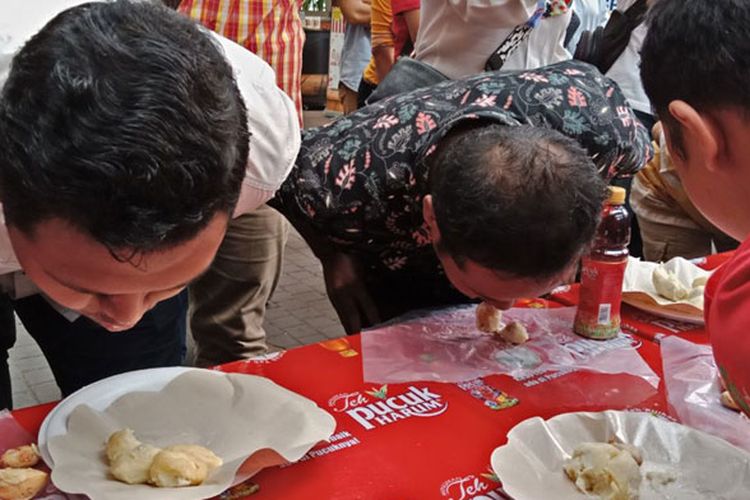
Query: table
(426, 440)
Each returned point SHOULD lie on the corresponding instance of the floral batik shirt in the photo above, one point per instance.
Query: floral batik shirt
(359, 181)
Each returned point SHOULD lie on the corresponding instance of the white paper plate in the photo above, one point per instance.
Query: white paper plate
(99, 396)
(647, 305)
(638, 289)
(705, 467)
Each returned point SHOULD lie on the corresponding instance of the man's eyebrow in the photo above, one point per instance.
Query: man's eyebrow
(95, 292)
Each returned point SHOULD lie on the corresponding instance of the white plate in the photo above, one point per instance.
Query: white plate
(99, 396)
(530, 465)
(663, 312)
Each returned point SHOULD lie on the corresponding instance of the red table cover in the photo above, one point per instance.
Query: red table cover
(418, 440)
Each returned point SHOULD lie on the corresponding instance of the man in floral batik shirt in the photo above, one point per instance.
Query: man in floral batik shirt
(486, 188)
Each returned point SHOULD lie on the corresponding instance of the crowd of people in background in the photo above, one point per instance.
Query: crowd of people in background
(401, 198)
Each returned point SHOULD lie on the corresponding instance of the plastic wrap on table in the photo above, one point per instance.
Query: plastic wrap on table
(445, 346)
(693, 391)
(13, 435)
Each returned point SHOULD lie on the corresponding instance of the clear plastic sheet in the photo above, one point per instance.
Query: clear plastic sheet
(693, 390)
(445, 346)
(13, 435)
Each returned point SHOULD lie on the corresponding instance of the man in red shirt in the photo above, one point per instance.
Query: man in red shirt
(695, 67)
(404, 26)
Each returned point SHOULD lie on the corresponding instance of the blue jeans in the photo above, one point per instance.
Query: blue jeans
(82, 352)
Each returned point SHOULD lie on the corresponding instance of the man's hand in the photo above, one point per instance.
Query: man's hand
(346, 289)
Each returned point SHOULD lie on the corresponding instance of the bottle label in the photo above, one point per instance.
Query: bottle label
(598, 314)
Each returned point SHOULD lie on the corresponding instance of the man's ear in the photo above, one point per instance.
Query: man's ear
(428, 212)
(700, 134)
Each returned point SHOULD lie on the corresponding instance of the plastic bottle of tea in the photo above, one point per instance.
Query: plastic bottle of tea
(598, 315)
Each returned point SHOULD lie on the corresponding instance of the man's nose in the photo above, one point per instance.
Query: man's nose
(123, 310)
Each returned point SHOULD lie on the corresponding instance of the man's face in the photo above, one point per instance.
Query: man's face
(77, 272)
(494, 287)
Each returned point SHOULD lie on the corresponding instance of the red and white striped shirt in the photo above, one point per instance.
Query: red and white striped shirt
(271, 29)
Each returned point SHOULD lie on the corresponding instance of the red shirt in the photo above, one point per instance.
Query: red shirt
(727, 314)
(399, 27)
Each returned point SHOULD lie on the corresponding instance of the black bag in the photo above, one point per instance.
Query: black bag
(406, 75)
(602, 46)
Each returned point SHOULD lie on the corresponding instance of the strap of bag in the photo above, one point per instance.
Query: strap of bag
(519, 34)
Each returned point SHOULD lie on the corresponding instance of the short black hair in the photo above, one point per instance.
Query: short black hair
(522, 200)
(697, 51)
(124, 120)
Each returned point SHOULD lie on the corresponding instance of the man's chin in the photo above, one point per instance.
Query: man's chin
(109, 325)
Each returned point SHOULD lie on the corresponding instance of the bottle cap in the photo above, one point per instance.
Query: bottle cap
(616, 195)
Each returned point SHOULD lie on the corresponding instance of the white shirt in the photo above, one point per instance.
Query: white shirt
(272, 117)
(458, 36)
(592, 14)
(626, 70)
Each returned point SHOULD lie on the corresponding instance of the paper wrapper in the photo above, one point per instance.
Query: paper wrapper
(238, 417)
(704, 467)
(638, 288)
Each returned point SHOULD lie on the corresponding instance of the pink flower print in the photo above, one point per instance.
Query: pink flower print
(625, 116)
(394, 263)
(465, 97)
(572, 72)
(310, 210)
(327, 167)
(422, 236)
(534, 77)
(368, 159)
(346, 176)
(576, 98)
(386, 121)
(486, 101)
(431, 150)
(610, 91)
(425, 123)
(508, 102)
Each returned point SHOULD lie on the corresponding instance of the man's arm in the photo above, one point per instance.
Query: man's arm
(412, 22)
(344, 279)
(382, 37)
(355, 11)
(383, 56)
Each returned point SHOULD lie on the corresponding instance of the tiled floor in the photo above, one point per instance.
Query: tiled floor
(299, 313)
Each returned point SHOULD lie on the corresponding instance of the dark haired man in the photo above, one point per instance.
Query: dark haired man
(695, 66)
(130, 137)
(488, 188)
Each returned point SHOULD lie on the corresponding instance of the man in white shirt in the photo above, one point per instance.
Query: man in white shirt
(458, 36)
(130, 137)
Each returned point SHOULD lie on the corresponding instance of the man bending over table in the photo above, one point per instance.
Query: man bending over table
(486, 188)
(129, 138)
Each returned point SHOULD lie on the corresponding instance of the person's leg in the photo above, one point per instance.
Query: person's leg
(348, 99)
(7, 339)
(228, 302)
(82, 352)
